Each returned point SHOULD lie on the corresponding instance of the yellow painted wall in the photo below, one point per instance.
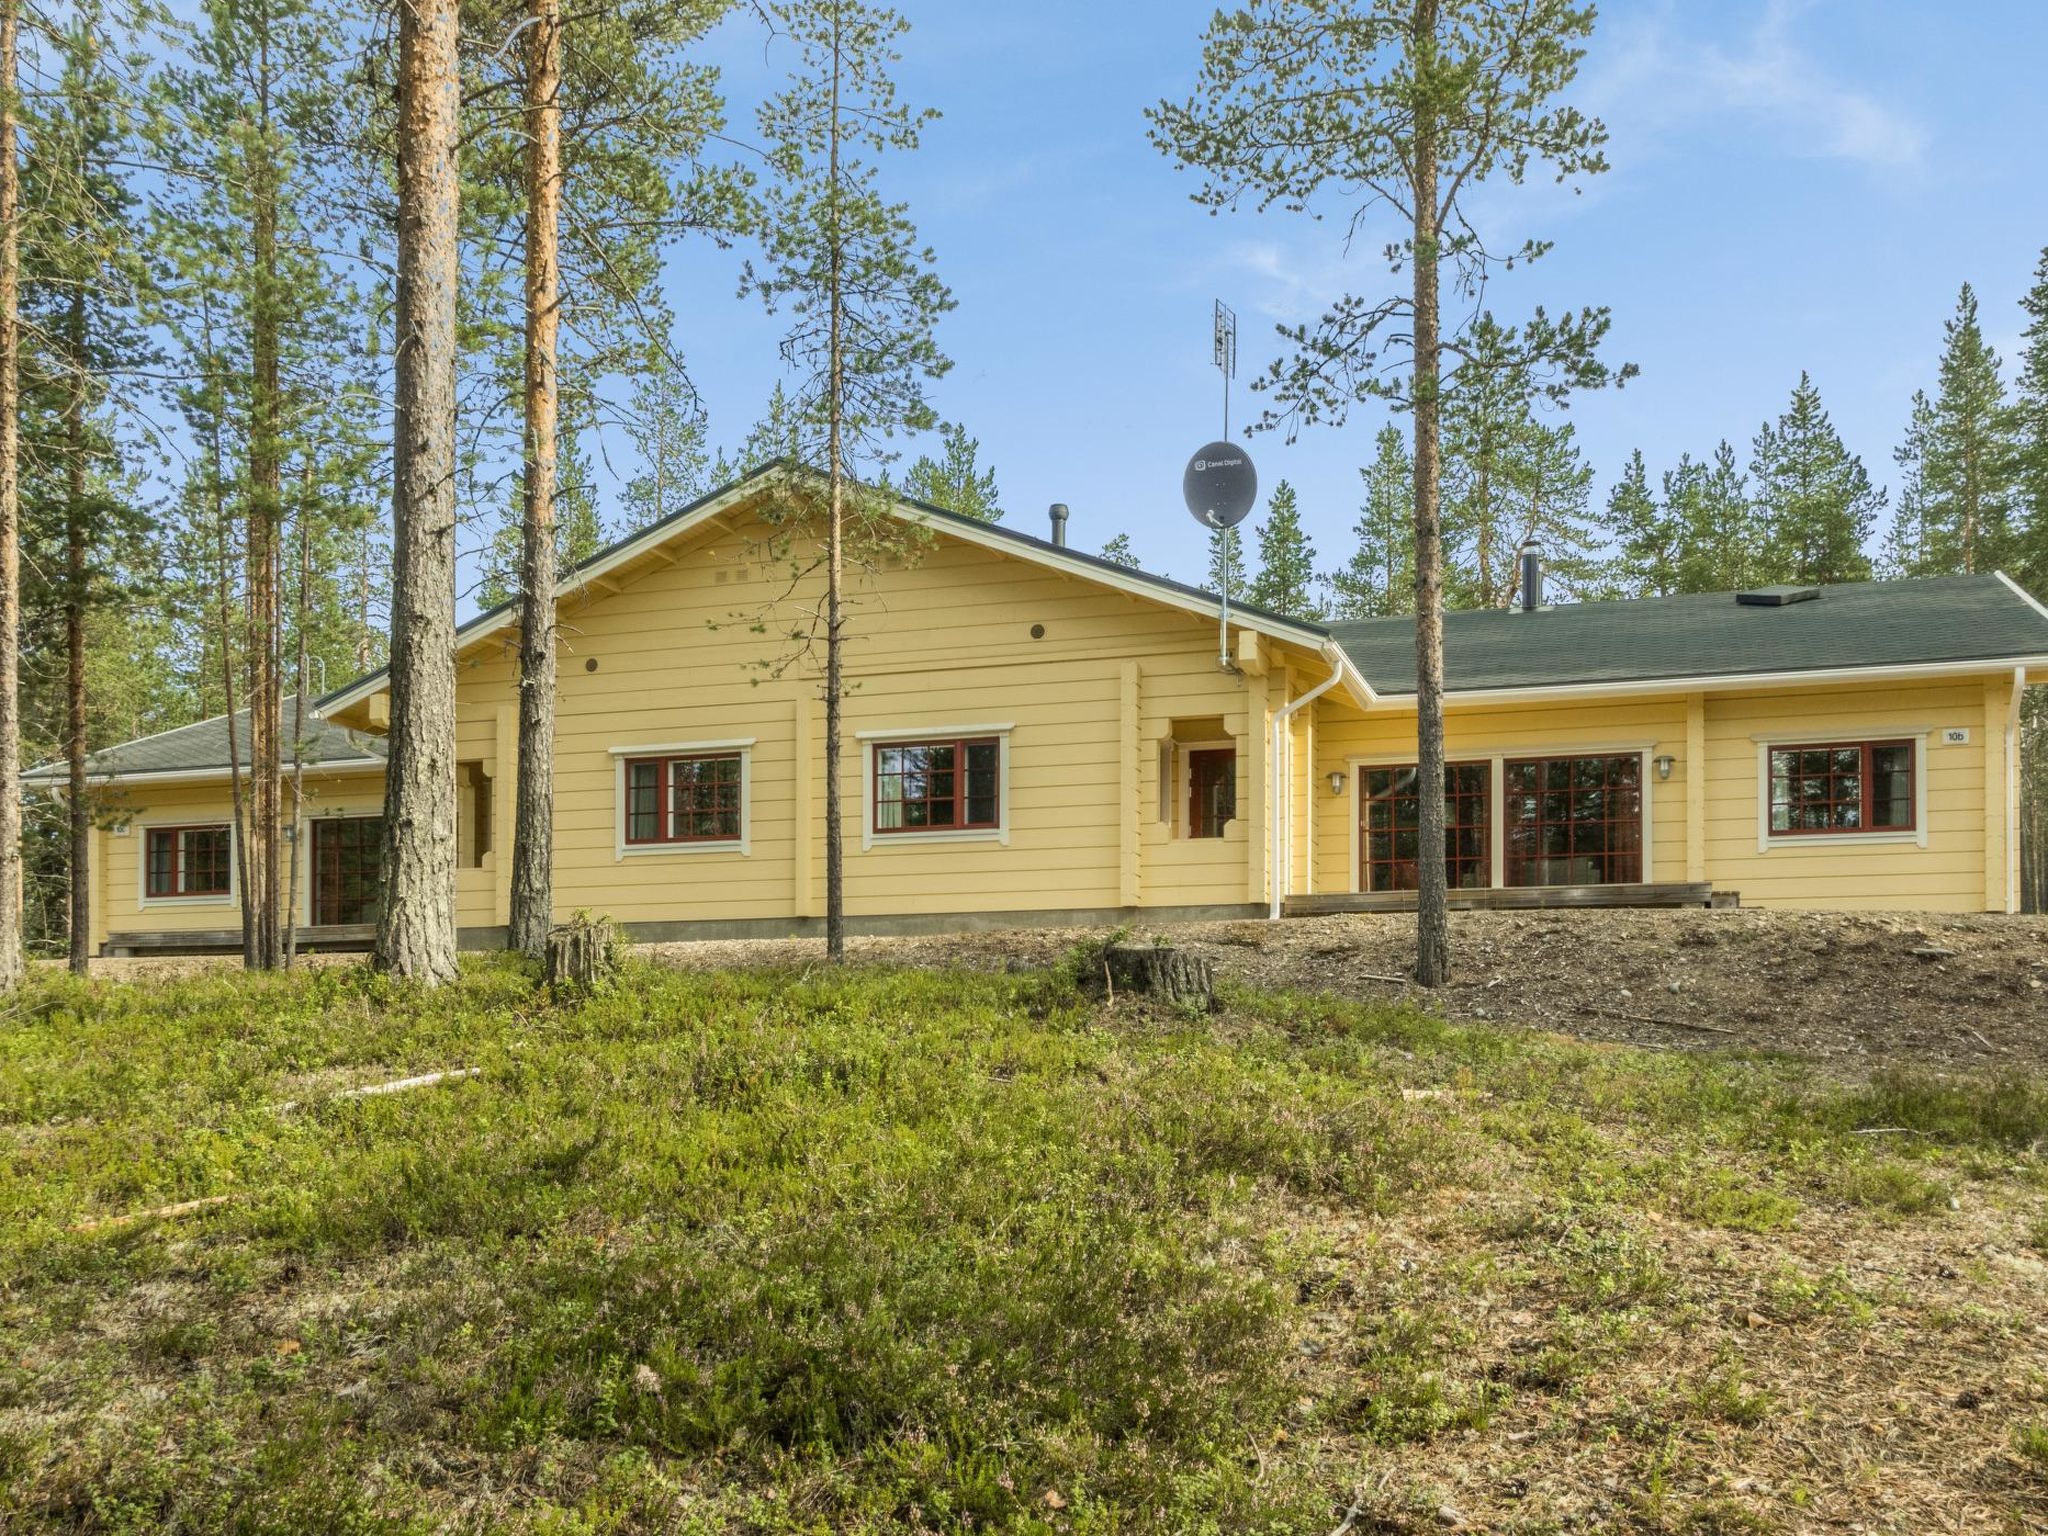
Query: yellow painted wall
(1344, 737)
(125, 814)
(695, 645)
(1948, 874)
(939, 642)
(1713, 740)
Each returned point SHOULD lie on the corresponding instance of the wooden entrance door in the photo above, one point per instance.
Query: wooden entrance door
(347, 851)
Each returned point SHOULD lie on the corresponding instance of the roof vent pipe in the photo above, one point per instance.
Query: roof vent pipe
(1532, 576)
(1059, 525)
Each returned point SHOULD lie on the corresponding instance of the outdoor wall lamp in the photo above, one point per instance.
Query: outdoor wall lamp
(1664, 765)
(1336, 781)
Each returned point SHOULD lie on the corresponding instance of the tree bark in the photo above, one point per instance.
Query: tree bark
(533, 823)
(298, 818)
(416, 929)
(79, 800)
(1172, 974)
(264, 540)
(11, 962)
(835, 555)
(1432, 897)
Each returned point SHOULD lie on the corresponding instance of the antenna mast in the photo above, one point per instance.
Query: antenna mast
(1225, 351)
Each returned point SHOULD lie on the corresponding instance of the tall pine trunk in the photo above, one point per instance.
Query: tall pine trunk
(533, 825)
(1432, 897)
(835, 553)
(79, 806)
(10, 508)
(298, 818)
(265, 531)
(416, 930)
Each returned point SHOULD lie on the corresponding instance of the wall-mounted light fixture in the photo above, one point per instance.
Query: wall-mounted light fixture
(1664, 765)
(1336, 781)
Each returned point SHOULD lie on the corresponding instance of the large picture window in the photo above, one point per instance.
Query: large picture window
(1574, 820)
(693, 799)
(188, 862)
(937, 786)
(1390, 832)
(1841, 788)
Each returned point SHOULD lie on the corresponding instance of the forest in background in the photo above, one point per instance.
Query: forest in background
(206, 305)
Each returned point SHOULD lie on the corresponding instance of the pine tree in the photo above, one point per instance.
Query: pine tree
(12, 960)
(1713, 523)
(1551, 489)
(956, 480)
(2031, 433)
(85, 287)
(1486, 427)
(1286, 579)
(1414, 104)
(863, 301)
(1118, 551)
(667, 429)
(416, 930)
(1379, 579)
(272, 376)
(1961, 500)
(1815, 504)
(1905, 550)
(1226, 562)
(1645, 540)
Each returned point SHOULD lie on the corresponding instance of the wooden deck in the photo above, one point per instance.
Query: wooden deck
(218, 941)
(1519, 898)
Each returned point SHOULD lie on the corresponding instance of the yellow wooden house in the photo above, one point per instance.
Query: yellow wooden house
(1035, 736)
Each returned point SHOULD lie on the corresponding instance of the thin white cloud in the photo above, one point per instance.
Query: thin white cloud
(1658, 77)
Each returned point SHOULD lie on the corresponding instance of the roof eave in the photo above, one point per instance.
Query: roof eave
(1723, 681)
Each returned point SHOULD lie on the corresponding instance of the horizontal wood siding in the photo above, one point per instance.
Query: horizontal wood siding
(1946, 875)
(1517, 730)
(702, 649)
(121, 910)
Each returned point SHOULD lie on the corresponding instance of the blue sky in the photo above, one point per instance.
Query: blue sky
(1795, 185)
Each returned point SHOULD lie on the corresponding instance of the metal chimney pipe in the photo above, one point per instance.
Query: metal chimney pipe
(1059, 524)
(1532, 576)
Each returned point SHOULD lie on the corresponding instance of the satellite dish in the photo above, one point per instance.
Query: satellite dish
(1220, 485)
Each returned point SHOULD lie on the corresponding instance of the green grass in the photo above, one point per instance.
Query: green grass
(872, 1251)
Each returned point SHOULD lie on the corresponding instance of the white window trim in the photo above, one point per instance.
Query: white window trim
(1184, 785)
(1497, 759)
(1820, 842)
(869, 740)
(743, 845)
(144, 901)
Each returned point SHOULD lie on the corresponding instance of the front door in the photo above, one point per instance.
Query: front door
(346, 854)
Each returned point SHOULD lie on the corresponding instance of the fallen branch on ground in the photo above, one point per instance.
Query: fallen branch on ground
(161, 1213)
(401, 1085)
(1650, 1018)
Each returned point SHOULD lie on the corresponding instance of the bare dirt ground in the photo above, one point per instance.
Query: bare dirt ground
(1855, 991)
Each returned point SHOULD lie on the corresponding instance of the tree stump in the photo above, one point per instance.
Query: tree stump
(582, 953)
(1156, 972)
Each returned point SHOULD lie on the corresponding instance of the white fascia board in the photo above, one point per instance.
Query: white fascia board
(202, 775)
(1719, 682)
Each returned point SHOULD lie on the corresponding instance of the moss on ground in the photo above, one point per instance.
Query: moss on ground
(902, 1250)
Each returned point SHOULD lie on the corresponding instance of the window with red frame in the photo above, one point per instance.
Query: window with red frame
(693, 799)
(1390, 826)
(187, 861)
(938, 786)
(1838, 787)
(1574, 820)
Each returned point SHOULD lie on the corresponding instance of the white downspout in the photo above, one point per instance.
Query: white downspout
(1280, 853)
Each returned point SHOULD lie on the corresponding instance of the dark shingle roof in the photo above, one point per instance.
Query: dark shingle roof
(1864, 624)
(203, 747)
